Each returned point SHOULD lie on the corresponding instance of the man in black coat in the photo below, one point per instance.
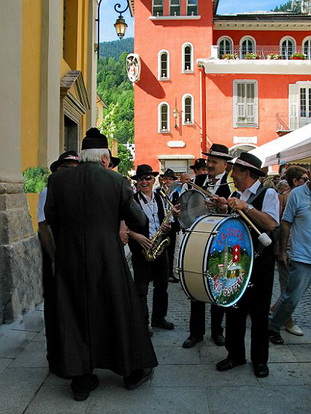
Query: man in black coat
(216, 182)
(101, 321)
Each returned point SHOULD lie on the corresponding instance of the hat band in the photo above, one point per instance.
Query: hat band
(247, 164)
(219, 154)
(71, 157)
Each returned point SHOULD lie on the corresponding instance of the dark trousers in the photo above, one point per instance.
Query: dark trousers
(171, 252)
(197, 319)
(255, 302)
(50, 314)
(157, 272)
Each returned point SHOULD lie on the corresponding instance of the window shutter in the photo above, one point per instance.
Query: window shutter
(293, 109)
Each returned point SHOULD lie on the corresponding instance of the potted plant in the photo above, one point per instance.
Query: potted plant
(230, 56)
(298, 56)
(274, 56)
(252, 56)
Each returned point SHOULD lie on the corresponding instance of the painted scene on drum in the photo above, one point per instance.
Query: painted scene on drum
(229, 262)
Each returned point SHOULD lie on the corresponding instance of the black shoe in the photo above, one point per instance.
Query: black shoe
(82, 386)
(173, 279)
(164, 324)
(228, 363)
(275, 338)
(219, 340)
(137, 378)
(191, 341)
(261, 370)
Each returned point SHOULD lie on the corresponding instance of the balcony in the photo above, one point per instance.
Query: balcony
(286, 122)
(264, 60)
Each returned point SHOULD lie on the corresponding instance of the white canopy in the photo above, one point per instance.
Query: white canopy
(292, 146)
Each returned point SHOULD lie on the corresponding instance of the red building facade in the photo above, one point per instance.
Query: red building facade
(206, 78)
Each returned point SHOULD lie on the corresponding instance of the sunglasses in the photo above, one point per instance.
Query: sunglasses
(146, 178)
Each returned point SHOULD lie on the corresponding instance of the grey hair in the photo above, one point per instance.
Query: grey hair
(93, 154)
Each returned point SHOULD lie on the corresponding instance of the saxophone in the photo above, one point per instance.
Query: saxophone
(158, 242)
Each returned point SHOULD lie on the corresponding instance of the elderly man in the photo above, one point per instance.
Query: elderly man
(296, 221)
(101, 321)
(261, 205)
(66, 160)
(216, 182)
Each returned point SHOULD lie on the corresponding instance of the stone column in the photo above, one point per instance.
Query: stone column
(20, 260)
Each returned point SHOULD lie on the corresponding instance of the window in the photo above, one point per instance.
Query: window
(187, 51)
(306, 47)
(157, 8)
(163, 65)
(175, 8)
(287, 47)
(225, 45)
(245, 103)
(299, 104)
(187, 109)
(192, 8)
(247, 45)
(164, 118)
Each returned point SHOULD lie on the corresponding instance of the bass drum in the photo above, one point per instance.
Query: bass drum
(192, 206)
(216, 260)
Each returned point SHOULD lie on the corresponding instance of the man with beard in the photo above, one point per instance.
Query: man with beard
(216, 182)
(101, 322)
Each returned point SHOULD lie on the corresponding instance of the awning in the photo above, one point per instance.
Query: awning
(293, 146)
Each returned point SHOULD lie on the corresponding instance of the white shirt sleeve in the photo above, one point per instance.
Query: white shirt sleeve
(271, 204)
(41, 204)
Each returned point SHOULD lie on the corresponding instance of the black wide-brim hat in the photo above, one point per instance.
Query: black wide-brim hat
(169, 173)
(219, 151)
(114, 161)
(67, 156)
(251, 162)
(199, 163)
(144, 169)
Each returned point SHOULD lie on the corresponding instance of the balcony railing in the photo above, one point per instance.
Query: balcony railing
(263, 52)
(285, 122)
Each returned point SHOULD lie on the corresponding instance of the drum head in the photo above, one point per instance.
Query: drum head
(228, 261)
(192, 206)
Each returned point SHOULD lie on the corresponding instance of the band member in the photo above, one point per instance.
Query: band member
(216, 181)
(157, 270)
(168, 179)
(199, 167)
(261, 205)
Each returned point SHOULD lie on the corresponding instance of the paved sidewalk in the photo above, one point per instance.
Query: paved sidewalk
(185, 382)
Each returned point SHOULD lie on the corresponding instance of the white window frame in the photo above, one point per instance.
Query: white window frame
(307, 40)
(191, 5)
(286, 39)
(252, 40)
(160, 130)
(239, 107)
(175, 6)
(184, 121)
(294, 108)
(153, 7)
(160, 77)
(190, 70)
(221, 39)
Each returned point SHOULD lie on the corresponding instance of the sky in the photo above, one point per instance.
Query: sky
(108, 15)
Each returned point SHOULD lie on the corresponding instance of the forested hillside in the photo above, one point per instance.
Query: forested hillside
(115, 89)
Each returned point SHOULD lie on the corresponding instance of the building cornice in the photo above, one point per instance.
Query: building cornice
(265, 67)
(274, 25)
(174, 18)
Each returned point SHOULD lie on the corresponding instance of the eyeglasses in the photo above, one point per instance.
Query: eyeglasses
(305, 179)
(146, 178)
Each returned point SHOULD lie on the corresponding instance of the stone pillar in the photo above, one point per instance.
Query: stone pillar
(20, 261)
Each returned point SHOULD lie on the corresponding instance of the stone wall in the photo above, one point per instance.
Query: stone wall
(20, 254)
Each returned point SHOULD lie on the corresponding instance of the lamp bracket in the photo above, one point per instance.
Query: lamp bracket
(118, 6)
